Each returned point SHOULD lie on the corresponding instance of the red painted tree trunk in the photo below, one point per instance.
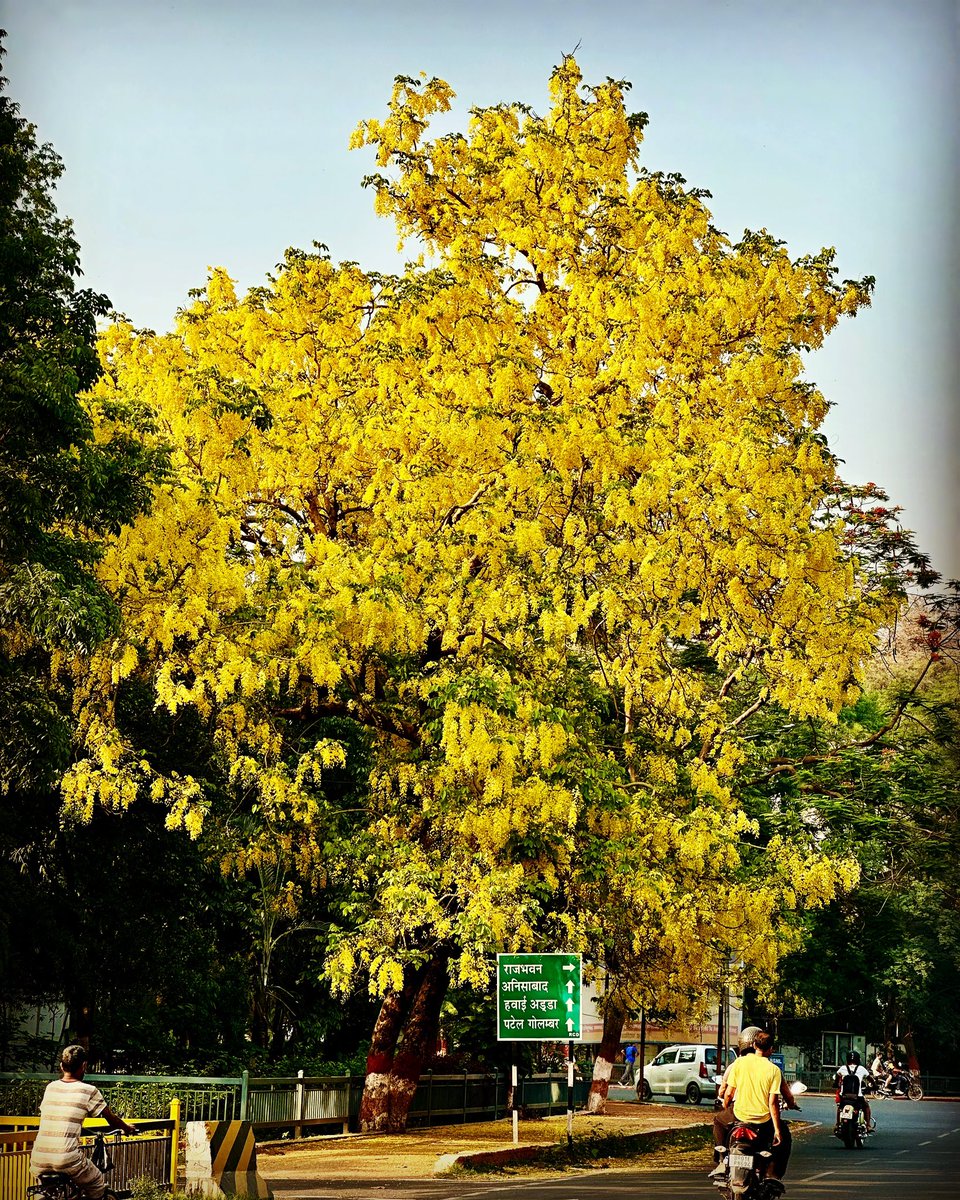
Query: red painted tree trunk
(418, 1042)
(614, 1018)
(374, 1103)
(910, 1046)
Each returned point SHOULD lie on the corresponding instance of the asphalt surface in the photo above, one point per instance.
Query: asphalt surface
(914, 1155)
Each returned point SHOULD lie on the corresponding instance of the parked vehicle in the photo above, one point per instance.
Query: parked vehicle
(746, 1167)
(687, 1073)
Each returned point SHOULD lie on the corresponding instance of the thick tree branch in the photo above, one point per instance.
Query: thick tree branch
(363, 714)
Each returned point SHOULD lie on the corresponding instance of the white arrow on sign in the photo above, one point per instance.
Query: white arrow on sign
(570, 1026)
(570, 1006)
(569, 966)
(569, 985)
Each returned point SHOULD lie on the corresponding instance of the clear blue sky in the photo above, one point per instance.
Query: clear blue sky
(216, 133)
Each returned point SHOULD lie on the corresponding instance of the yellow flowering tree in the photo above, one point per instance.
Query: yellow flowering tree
(541, 516)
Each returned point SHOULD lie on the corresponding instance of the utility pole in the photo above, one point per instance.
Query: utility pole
(722, 1032)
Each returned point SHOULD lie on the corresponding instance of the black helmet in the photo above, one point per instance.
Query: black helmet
(853, 1058)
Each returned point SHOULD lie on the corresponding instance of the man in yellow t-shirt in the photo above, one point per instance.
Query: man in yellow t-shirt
(753, 1087)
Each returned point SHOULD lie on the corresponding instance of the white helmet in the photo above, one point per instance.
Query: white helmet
(745, 1041)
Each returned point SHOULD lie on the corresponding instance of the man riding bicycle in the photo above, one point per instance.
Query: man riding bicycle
(66, 1103)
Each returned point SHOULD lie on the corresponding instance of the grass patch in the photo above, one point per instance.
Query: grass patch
(599, 1149)
(147, 1189)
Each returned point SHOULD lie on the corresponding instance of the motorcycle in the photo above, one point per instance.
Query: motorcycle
(745, 1166)
(904, 1083)
(852, 1126)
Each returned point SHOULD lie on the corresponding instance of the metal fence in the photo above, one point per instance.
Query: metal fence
(139, 1096)
(299, 1104)
(302, 1104)
(15, 1163)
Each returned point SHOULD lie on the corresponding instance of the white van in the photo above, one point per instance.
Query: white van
(683, 1072)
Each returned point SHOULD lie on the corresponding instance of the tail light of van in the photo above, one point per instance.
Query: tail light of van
(704, 1073)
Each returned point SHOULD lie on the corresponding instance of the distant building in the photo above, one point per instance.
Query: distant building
(658, 1036)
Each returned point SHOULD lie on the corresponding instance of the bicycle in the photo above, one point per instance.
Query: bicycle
(54, 1185)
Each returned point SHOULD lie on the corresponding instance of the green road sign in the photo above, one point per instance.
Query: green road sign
(538, 997)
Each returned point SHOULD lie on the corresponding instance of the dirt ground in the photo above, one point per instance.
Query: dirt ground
(415, 1155)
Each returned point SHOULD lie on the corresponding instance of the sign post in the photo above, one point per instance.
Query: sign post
(515, 1108)
(570, 1095)
(538, 997)
(539, 1000)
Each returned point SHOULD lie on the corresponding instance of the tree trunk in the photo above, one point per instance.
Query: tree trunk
(614, 1018)
(81, 1009)
(910, 1046)
(419, 1041)
(374, 1103)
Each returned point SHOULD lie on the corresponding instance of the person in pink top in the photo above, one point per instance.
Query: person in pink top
(66, 1104)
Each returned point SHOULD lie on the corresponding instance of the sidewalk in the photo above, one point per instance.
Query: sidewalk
(421, 1153)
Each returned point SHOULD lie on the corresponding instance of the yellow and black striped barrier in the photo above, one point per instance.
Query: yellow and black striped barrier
(223, 1155)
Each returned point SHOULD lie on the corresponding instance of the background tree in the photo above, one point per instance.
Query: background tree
(882, 783)
(61, 491)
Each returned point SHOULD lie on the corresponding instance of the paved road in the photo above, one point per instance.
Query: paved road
(915, 1155)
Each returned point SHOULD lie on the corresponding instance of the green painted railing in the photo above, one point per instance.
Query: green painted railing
(140, 1096)
(301, 1104)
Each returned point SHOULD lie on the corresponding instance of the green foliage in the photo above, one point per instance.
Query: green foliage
(883, 785)
(146, 1189)
(61, 492)
(21, 1097)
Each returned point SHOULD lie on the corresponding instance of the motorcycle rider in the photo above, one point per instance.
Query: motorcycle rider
(891, 1071)
(894, 1077)
(849, 1081)
(751, 1072)
(723, 1118)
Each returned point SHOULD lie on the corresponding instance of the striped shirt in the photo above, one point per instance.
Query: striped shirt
(63, 1108)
